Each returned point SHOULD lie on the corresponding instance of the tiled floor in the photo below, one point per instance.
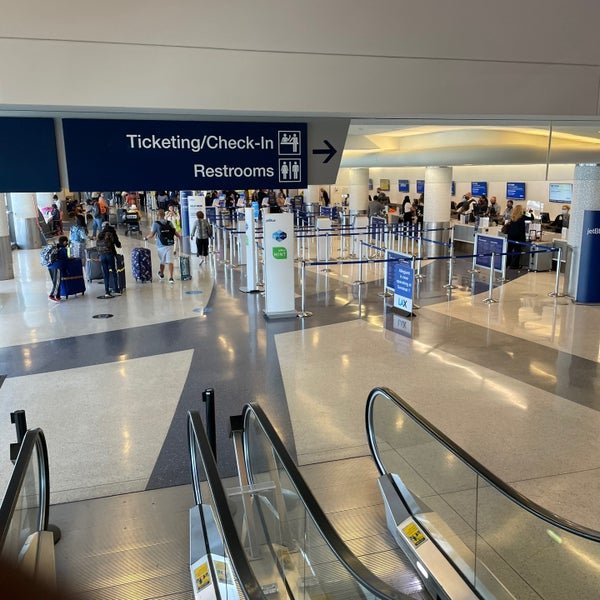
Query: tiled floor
(515, 383)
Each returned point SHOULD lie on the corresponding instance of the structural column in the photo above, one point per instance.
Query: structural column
(584, 234)
(6, 265)
(359, 189)
(27, 234)
(436, 213)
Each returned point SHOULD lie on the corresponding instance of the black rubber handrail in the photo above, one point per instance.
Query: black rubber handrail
(361, 574)
(507, 490)
(239, 560)
(33, 439)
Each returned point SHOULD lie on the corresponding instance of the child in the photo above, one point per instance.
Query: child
(57, 266)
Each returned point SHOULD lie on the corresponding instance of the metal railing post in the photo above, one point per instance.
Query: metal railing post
(490, 298)
(556, 293)
(450, 285)
(303, 312)
(360, 281)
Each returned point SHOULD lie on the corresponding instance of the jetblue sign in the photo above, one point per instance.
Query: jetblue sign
(588, 283)
(177, 155)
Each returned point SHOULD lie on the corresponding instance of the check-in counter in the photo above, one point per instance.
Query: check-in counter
(464, 235)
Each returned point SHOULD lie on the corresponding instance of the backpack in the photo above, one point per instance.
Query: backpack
(166, 233)
(48, 255)
(105, 245)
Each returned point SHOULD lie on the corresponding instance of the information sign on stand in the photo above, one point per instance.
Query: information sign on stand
(249, 239)
(392, 259)
(484, 246)
(404, 286)
(278, 243)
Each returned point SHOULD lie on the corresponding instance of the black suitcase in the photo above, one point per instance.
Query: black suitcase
(120, 260)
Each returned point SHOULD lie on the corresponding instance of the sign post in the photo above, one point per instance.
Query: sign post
(249, 239)
(278, 243)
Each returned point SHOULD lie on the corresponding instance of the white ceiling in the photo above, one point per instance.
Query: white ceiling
(398, 143)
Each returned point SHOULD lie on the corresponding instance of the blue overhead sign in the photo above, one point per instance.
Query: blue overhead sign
(28, 159)
(107, 154)
(403, 185)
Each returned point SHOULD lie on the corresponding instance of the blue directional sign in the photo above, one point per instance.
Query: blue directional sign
(420, 186)
(28, 158)
(403, 185)
(105, 154)
(403, 286)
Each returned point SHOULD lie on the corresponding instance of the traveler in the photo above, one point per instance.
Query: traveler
(161, 200)
(375, 208)
(325, 196)
(508, 211)
(57, 228)
(407, 210)
(165, 240)
(494, 211)
(201, 232)
(103, 207)
(464, 204)
(57, 266)
(107, 252)
(515, 232)
(98, 220)
(172, 216)
(106, 226)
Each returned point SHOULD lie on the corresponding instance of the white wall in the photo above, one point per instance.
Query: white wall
(467, 57)
(496, 177)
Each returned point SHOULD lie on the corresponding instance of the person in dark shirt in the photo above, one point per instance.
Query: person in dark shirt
(58, 266)
(515, 232)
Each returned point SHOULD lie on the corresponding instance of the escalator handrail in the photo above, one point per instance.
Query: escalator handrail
(366, 578)
(237, 554)
(33, 439)
(504, 488)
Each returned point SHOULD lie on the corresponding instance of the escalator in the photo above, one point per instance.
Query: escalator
(266, 536)
(444, 508)
(25, 539)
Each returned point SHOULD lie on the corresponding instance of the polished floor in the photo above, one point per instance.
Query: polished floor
(515, 383)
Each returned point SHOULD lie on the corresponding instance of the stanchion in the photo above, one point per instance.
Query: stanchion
(232, 245)
(419, 276)
(303, 312)
(490, 298)
(474, 268)
(450, 285)
(415, 306)
(556, 293)
(360, 281)
(385, 293)
(327, 252)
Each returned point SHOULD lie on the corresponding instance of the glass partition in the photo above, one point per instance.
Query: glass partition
(503, 544)
(306, 557)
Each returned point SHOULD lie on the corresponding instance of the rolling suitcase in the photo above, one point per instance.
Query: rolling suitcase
(141, 264)
(93, 267)
(72, 281)
(121, 214)
(184, 267)
(120, 260)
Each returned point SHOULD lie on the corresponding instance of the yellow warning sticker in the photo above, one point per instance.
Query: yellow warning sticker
(202, 576)
(414, 534)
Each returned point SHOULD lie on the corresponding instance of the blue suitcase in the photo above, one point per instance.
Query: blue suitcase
(72, 281)
(141, 264)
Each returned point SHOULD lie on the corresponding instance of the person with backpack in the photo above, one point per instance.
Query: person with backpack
(201, 232)
(56, 258)
(107, 252)
(165, 235)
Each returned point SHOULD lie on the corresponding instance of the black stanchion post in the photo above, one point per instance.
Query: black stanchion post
(208, 397)
(19, 420)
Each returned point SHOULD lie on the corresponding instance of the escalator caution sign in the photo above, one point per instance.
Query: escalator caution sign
(413, 534)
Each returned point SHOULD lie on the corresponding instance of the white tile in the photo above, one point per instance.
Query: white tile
(104, 424)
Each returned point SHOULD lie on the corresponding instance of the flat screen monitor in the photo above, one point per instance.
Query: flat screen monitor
(560, 192)
(478, 188)
(545, 217)
(515, 190)
(453, 189)
(403, 185)
(420, 186)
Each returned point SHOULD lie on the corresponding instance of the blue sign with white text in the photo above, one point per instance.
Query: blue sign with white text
(420, 186)
(486, 245)
(478, 188)
(403, 286)
(588, 282)
(105, 154)
(515, 190)
(28, 158)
